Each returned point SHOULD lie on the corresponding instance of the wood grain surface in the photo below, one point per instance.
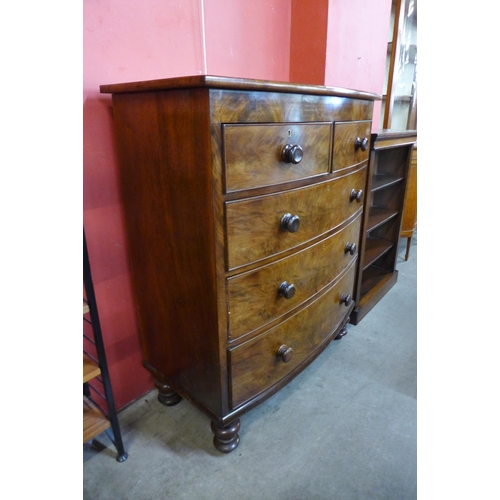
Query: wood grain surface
(253, 225)
(254, 153)
(345, 152)
(254, 364)
(253, 296)
(204, 190)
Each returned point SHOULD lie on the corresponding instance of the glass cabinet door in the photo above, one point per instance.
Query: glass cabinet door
(399, 110)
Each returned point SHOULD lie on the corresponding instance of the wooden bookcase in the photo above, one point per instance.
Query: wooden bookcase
(409, 224)
(390, 156)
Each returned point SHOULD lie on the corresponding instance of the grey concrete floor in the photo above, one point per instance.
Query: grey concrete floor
(345, 428)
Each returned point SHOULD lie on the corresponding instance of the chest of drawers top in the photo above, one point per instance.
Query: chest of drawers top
(249, 121)
(230, 83)
(243, 202)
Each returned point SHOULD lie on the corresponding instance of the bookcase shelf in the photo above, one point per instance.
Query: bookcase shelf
(390, 154)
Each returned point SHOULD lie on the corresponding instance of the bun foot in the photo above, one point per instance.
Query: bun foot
(226, 439)
(341, 334)
(166, 396)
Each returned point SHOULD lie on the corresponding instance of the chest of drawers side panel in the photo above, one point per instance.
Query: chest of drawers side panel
(164, 151)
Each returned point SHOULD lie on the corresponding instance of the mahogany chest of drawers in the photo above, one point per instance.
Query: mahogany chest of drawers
(243, 203)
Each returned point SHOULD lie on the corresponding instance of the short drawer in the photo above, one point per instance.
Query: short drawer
(263, 295)
(351, 143)
(256, 364)
(254, 153)
(254, 226)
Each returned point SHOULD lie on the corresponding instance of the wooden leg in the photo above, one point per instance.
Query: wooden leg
(343, 331)
(226, 439)
(341, 334)
(408, 243)
(166, 395)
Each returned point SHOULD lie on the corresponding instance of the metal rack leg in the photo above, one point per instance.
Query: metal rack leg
(101, 354)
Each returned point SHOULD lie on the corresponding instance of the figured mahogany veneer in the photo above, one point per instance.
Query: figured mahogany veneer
(254, 154)
(243, 201)
(352, 143)
(253, 298)
(253, 225)
(255, 364)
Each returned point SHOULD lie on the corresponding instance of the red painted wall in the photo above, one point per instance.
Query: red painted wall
(248, 39)
(357, 45)
(127, 40)
(309, 31)
(124, 40)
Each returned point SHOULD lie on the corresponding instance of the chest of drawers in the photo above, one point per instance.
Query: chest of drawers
(243, 203)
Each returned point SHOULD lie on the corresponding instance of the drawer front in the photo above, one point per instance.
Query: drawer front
(255, 365)
(347, 151)
(255, 298)
(253, 153)
(254, 225)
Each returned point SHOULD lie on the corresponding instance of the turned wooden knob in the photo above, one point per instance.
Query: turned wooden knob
(286, 290)
(345, 298)
(290, 223)
(356, 195)
(292, 153)
(285, 353)
(361, 143)
(350, 248)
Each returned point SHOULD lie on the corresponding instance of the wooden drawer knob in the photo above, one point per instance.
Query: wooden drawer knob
(285, 353)
(286, 290)
(361, 143)
(345, 298)
(356, 195)
(290, 223)
(292, 153)
(350, 248)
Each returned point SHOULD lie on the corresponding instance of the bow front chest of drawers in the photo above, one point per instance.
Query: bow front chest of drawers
(243, 202)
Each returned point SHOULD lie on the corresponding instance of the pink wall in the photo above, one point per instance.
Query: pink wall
(124, 40)
(248, 39)
(356, 46)
(127, 40)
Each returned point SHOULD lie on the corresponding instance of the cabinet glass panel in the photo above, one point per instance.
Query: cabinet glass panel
(401, 92)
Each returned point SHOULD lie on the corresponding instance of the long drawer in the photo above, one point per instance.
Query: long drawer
(256, 364)
(254, 157)
(257, 297)
(254, 226)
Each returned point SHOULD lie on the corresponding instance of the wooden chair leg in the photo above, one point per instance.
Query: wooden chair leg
(408, 243)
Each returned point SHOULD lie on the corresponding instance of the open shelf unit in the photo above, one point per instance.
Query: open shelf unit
(390, 155)
(99, 412)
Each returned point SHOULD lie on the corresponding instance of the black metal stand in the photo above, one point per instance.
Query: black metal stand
(110, 413)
